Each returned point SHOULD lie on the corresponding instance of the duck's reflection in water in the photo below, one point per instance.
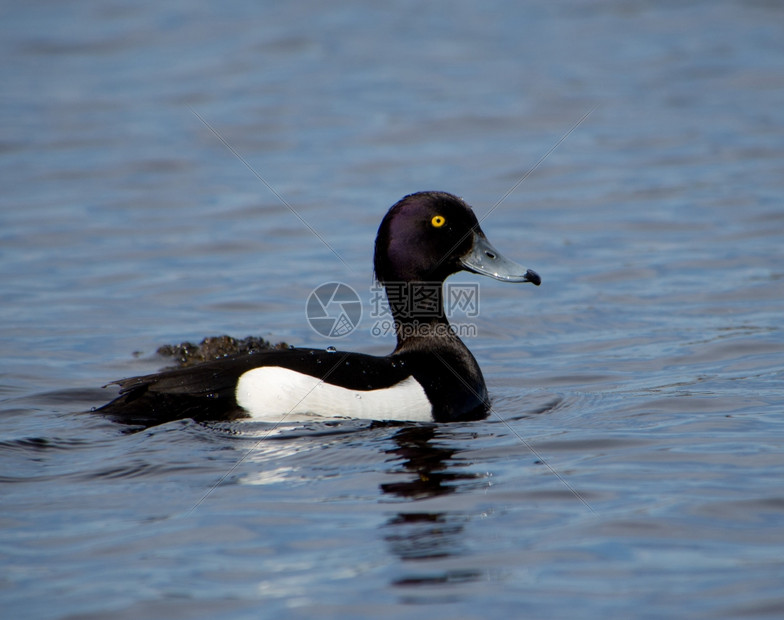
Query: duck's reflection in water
(430, 543)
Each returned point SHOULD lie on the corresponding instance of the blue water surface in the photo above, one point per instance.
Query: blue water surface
(176, 170)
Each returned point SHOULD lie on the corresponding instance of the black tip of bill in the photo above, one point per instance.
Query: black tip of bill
(533, 277)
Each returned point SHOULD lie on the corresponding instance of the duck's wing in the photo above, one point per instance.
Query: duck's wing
(208, 391)
(202, 392)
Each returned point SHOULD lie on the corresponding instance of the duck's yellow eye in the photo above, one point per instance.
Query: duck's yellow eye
(438, 221)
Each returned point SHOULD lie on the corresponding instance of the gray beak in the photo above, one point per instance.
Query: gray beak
(485, 260)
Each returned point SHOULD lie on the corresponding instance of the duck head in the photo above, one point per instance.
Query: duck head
(428, 236)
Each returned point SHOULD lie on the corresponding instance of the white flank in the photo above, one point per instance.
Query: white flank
(278, 394)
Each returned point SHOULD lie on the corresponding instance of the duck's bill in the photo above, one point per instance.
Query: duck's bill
(485, 260)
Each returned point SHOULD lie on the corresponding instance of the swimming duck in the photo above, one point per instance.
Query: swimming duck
(430, 376)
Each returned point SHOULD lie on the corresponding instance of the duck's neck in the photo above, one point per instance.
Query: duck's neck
(418, 311)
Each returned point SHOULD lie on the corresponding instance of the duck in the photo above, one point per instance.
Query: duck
(430, 376)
